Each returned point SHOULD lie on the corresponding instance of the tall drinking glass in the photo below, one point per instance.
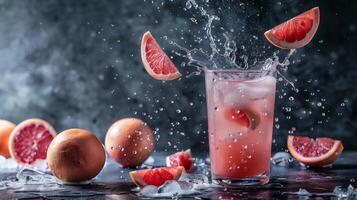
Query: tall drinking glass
(240, 107)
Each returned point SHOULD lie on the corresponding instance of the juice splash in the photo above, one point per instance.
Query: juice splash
(215, 58)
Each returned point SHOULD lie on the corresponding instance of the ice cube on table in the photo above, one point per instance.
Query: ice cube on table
(349, 193)
(171, 188)
(186, 186)
(303, 194)
(281, 159)
(149, 190)
(194, 178)
(8, 164)
(150, 161)
(33, 176)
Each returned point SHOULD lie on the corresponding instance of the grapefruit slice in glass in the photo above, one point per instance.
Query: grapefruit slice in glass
(182, 158)
(30, 140)
(156, 176)
(156, 62)
(296, 32)
(314, 152)
(244, 117)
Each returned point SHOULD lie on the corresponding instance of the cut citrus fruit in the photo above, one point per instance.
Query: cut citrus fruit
(156, 176)
(155, 60)
(182, 158)
(6, 128)
(296, 32)
(243, 117)
(30, 140)
(316, 153)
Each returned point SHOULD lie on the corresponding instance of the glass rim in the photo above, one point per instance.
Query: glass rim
(237, 70)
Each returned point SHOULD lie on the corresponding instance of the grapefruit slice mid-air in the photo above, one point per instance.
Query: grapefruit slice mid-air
(156, 176)
(314, 152)
(30, 140)
(182, 158)
(296, 32)
(156, 62)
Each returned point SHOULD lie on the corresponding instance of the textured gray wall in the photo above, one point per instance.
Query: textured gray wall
(77, 64)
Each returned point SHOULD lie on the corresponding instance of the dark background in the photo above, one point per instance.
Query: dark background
(77, 64)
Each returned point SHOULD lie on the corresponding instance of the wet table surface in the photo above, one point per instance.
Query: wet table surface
(113, 183)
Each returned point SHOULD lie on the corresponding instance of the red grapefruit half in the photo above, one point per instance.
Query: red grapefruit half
(244, 117)
(296, 32)
(156, 176)
(30, 140)
(156, 62)
(182, 158)
(6, 128)
(314, 152)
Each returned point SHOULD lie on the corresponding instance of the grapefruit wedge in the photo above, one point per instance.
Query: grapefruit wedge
(156, 176)
(314, 152)
(156, 62)
(244, 117)
(296, 32)
(182, 158)
(30, 140)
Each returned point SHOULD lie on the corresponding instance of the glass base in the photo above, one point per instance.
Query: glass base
(236, 182)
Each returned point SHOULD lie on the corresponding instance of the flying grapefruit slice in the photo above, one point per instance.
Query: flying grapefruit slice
(156, 176)
(296, 32)
(182, 158)
(155, 60)
(243, 117)
(314, 152)
(30, 140)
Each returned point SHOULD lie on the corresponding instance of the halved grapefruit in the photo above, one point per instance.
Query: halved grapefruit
(156, 62)
(314, 152)
(182, 158)
(6, 128)
(30, 140)
(156, 176)
(244, 117)
(296, 32)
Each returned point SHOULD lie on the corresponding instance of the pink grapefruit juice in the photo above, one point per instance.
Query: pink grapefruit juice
(240, 106)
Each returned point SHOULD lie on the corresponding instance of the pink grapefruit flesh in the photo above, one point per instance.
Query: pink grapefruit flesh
(156, 176)
(182, 158)
(296, 32)
(30, 140)
(314, 152)
(156, 62)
